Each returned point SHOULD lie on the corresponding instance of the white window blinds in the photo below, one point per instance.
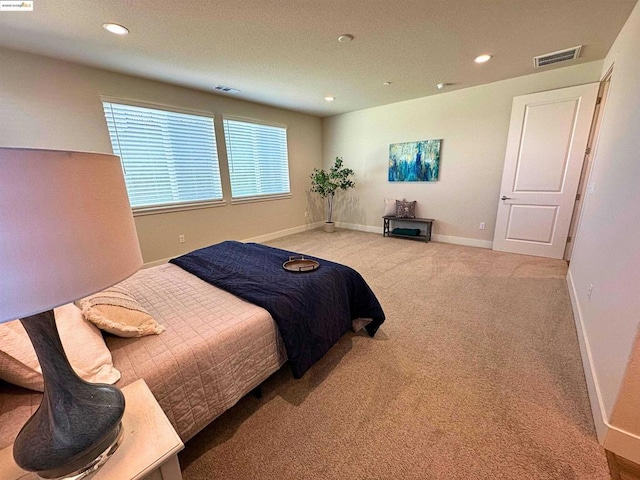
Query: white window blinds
(258, 159)
(169, 158)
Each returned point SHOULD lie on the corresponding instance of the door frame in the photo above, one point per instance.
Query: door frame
(587, 166)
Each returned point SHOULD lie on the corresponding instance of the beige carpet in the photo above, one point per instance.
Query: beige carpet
(476, 374)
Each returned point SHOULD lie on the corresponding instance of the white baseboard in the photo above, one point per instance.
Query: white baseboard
(470, 242)
(155, 263)
(623, 444)
(358, 227)
(284, 233)
(614, 439)
(593, 388)
(260, 238)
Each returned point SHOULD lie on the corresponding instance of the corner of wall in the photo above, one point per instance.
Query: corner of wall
(617, 440)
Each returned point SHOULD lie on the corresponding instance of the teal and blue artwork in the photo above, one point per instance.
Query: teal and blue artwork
(414, 161)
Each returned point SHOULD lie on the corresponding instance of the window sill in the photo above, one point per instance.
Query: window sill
(261, 198)
(141, 211)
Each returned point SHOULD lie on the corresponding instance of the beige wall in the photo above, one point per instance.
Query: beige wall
(46, 103)
(472, 124)
(607, 253)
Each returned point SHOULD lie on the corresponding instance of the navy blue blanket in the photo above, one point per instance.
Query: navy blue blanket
(312, 309)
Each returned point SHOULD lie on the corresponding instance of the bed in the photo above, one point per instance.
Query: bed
(217, 347)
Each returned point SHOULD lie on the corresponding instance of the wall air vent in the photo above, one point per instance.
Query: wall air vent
(556, 57)
(222, 88)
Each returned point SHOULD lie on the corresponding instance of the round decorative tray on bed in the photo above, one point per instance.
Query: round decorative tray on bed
(300, 264)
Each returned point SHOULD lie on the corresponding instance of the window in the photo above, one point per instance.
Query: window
(258, 160)
(169, 159)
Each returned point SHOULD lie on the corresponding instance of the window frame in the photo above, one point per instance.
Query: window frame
(260, 197)
(175, 206)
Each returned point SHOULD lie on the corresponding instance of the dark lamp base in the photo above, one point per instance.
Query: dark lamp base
(97, 462)
(77, 421)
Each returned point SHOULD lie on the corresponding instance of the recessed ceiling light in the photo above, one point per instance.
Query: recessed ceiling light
(386, 83)
(483, 58)
(115, 28)
(345, 38)
(329, 99)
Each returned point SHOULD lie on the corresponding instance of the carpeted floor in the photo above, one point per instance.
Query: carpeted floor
(476, 374)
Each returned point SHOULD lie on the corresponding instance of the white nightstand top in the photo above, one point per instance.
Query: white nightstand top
(149, 441)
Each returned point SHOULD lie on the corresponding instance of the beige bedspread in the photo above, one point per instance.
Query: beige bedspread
(216, 349)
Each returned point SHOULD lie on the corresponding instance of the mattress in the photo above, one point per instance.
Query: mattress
(216, 349)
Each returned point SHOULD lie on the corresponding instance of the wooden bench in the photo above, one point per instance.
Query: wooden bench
(387, 232)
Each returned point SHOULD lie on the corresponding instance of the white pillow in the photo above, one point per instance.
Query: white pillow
(81, 340)
(390, 206)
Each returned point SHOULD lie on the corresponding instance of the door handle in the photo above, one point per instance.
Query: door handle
(504, 197)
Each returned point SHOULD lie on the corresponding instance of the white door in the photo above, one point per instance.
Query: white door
(546, 146)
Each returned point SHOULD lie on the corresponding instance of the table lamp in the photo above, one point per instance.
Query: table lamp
(66, 231)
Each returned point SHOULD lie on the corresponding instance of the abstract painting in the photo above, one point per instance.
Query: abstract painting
(414, 161)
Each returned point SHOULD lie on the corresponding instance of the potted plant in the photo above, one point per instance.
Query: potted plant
(327, 183)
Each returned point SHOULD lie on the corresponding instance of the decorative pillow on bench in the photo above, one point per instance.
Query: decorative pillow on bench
(389, 206)
(405, 209)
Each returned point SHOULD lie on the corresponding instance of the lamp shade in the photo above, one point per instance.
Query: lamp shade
(66, 228)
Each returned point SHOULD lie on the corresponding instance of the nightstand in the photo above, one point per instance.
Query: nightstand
(149, 449)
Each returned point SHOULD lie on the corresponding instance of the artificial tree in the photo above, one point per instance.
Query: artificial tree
(327, 183)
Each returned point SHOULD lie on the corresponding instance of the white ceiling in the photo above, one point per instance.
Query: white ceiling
(285, 52)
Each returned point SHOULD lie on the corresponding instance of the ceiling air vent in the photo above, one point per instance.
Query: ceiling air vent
(222, 88)
(556, 57)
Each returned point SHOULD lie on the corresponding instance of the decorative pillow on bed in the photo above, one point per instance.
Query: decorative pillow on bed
(405, 209)
(389, 206)
(115, 311)
(82, 342)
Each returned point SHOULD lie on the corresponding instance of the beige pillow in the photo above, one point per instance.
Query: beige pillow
(115, 311)
(82, 342)
(389, 206)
